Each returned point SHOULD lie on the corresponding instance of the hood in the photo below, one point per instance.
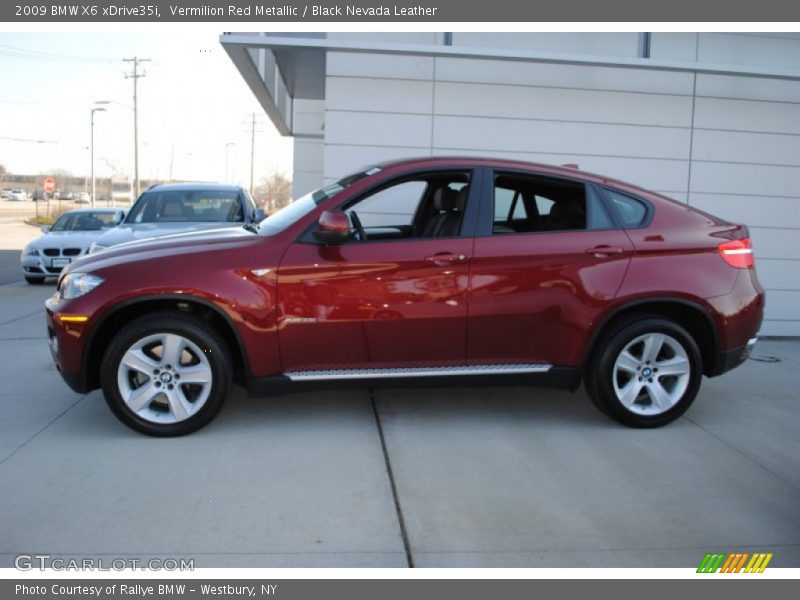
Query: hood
(129, 232)
(191, 242)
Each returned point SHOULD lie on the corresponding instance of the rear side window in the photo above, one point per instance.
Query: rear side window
(631, 211)
(526, 204)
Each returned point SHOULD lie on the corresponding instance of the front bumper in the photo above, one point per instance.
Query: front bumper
(42, 266)
(66, 342)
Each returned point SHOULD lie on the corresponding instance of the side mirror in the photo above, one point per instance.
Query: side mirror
(259, 215)
(332, 228)
(45, 228)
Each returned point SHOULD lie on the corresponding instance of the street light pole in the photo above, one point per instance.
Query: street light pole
(226, 159)
(252, 151)
(91, 142)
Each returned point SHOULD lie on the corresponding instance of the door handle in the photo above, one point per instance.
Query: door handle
(604, 250)
(445, 258)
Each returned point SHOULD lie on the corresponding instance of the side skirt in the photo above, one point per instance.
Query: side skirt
(301, 381)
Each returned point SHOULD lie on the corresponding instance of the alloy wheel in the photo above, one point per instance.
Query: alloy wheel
(651, 374)
(164, 378)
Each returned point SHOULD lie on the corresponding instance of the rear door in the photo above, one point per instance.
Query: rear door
(547, 259)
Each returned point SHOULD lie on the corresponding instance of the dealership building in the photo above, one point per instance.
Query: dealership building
(712, 119)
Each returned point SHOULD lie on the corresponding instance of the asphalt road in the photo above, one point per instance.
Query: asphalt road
(459, 477)
(9, 267)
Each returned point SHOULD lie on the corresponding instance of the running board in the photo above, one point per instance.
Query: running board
(342, 374)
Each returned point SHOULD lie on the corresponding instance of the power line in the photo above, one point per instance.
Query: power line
(17, 52)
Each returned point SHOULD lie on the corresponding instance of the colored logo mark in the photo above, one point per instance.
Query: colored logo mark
(734, 562)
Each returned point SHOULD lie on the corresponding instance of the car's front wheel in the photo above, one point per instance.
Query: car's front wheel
(167, 374)
(646, 372)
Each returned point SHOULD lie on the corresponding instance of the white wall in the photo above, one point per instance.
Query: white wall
(729, 145)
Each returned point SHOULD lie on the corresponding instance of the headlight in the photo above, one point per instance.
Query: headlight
(75, 285)
(28, 251)
(95, 247)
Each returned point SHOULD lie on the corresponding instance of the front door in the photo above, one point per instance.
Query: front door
(394, 296)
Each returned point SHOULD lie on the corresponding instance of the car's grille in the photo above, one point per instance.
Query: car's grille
(71, 251)
(51, 252)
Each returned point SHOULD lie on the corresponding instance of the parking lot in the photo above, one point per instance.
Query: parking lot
(501, 477)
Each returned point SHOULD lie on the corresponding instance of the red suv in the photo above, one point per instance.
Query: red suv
(427, 270)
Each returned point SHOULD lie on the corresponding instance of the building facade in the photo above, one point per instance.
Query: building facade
(712, 119)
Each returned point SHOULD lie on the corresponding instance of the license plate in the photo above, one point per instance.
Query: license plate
(60, 262)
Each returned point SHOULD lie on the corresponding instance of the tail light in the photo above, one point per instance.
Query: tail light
(737, 253)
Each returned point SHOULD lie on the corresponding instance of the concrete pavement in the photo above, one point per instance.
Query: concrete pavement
(498, 477)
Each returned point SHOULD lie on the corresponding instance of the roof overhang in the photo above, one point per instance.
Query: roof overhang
(283, 68)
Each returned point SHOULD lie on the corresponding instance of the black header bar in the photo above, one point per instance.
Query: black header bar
(411, 11)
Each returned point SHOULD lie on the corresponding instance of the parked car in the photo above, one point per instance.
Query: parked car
(82, 198)
(67, 240)
(4, 193)
(18, 195)
(167, 209)
(63, 195)
(38, 194)
(468, 270)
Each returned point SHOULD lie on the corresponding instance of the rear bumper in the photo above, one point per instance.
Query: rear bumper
(730, 359)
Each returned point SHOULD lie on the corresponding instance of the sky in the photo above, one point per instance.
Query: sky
(195, 110)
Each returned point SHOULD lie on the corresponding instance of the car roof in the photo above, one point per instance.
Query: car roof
(473, 161)
(194, 186)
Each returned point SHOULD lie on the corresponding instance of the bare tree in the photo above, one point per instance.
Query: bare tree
(3, 171)
(273, 192)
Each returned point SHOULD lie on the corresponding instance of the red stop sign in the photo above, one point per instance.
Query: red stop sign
(49, 185)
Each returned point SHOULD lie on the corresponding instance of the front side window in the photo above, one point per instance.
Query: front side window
(527, 204)
(297, 209)
(393, 207)
(425, 206)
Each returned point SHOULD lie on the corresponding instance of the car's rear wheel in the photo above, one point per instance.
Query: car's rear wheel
(167, 374)
(34, 280)
(645, 372)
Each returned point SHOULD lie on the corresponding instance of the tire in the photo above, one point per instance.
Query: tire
(175, 396)
(34, 280)
(645, 372)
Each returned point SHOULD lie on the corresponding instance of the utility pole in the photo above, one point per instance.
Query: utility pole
(91, 141)
(252, 150)
(135, 76)
(251, 124)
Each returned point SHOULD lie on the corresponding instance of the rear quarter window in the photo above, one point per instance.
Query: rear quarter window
(632, 212)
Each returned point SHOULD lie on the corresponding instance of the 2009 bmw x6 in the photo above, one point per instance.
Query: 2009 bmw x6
(457, 269)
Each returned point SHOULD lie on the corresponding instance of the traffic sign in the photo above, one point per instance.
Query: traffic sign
(49, 185)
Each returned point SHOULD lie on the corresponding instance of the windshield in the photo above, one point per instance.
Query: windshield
(184, 206)
(85, 221)
(294, 211)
